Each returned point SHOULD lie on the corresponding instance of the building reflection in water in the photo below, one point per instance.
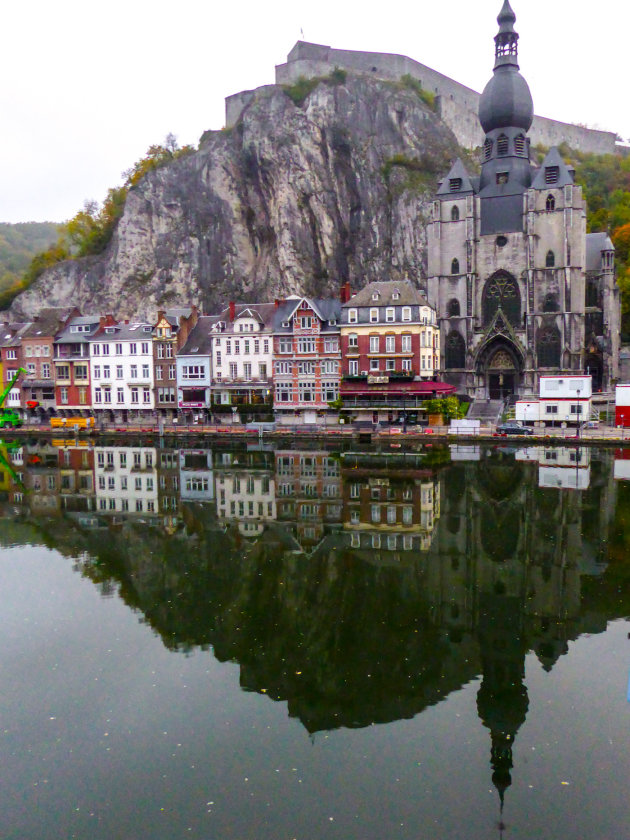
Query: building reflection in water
(359, 587)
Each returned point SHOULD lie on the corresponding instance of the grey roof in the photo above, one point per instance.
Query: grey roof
(173, 315)
(133, 331)
(200, 339)
(327, 309)
(65, 335)
(12, 335)
(595, 244)
(263, 312)
(552, 158)
(409, 294)
(48, 321)
(457, 172)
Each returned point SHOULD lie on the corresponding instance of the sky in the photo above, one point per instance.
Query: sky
(88, 87)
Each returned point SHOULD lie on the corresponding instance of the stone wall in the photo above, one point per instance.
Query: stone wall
(456, 103)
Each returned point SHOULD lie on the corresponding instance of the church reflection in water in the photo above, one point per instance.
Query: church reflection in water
(359, 587)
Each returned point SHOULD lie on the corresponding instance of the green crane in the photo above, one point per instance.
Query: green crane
(9, 417)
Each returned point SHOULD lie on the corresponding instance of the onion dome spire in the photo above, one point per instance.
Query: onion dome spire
(506, 40)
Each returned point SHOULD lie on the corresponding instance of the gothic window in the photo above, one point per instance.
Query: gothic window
(455, 350)
(592, 293)
(503, 145)
(453, 308)
(455, 266)
(520, 145)
(487, 149)
(551, 203)
(550, 303)
(548, 346)
(501, 291)
(550, 259)
(454, 214)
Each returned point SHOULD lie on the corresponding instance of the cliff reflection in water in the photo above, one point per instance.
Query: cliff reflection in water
(358, 588)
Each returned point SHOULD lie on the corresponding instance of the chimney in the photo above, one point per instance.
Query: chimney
(161, 314)
(344, 293)
(232, 310)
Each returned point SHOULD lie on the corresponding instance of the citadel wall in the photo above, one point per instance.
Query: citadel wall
(456, 104)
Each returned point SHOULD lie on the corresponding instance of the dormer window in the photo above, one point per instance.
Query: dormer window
(406, 313)
(285, 324)
(487, 149)
(375, 296)
(373, 316)
(396, 295)
(352, 316)
(503, 145)
(455, 184)
(455, 214)
(551, 203)
(520, 145)
(552, 174)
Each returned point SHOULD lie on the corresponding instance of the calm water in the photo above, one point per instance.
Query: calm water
(296, 644)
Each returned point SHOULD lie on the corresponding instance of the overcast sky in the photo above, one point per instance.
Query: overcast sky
(88, 87)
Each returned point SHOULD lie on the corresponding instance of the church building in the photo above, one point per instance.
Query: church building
(521, 290)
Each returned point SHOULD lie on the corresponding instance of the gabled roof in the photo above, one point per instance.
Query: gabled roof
(552, 159)
(200, 339)
(457, 177)
(408, 295)
(596, 243)
(326, 309)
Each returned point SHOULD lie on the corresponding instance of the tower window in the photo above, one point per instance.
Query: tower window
(455, 184)
(550, 259)
(454, 214)
(503, 145)
(453, 308)
(503, 177)
(552, 174)
(487, 149)
(455, 266)
(519, 145)
(551, 203)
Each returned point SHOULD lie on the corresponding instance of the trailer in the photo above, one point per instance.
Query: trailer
(563, 400)
(622, 406)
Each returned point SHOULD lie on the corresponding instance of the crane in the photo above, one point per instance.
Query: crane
(8, 417)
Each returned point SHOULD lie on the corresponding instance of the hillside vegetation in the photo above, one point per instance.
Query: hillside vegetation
(19, 243)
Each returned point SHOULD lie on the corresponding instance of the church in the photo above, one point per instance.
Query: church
(520, 289)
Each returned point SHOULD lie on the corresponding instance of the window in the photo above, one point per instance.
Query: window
(375, 513)
(146, 395)
(247, 370)
(390, 314)
(158, 371)
(105, 349)
(550, 259)
(503, 145)
(262, 370)
(455, 266)
(576, 408)
(107, 395)
(97, 371)
(120, 395)
(550, 204)
(330, 391)
(503, 177)
(11, 354)
(390, 364)
(145, 371)
(374, 344)
(306, 391)
(45, 370)
(406, 343)
(134, 396)
(353, 368)
(134, 371)
(455, 184)
(390, 344)
(374, 365)
(306, 345)
(283, 368)
(97, 396)
(552, 174)
(285, 345)
(352, 316)
(454, 214)
(487, 149)
(133, 348)
(373, 316)
(284, 392)
(353, 340)
(306, 321)
(551, 409)
(331, 345)
(453, 308)
(520, 145)
(172, 374)
(145, 347)
(406, 313)
(119, 350)
(233, 370)
(193, 371)
(455, 351)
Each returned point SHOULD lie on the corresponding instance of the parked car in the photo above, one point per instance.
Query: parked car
(514, 429)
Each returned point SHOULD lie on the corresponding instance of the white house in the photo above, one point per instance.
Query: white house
(122, 371)
(562, 399)
(126, 479)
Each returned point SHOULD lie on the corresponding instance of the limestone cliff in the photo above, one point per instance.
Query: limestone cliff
(294, 198)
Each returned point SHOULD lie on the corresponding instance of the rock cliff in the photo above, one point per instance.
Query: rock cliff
(293, 198)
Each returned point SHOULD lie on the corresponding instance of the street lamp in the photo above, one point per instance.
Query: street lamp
(578, 407)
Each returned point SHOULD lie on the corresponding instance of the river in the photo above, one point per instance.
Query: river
(295, 644)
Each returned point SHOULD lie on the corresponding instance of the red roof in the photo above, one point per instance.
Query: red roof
(397, 388)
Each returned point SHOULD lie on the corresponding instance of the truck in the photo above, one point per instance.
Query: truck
(8, 417)
(72, 422)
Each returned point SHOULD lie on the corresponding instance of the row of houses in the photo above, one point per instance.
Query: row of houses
(296, 359)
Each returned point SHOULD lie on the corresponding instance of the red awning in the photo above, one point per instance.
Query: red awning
(425, 390)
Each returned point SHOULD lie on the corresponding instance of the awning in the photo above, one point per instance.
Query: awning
(400, 389)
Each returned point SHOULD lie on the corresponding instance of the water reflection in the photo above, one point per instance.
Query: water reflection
(358, 587)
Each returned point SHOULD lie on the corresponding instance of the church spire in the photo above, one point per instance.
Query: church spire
(506, 40)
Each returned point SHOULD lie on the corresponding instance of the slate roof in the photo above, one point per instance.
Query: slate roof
(327, 309)
(595, 244)
(66, 335)
(409, 295)
(133, 331)
(48, 322)
(200, 339)
(457, 172)
(552, 158)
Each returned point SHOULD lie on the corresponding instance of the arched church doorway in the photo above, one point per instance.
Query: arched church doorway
(595, 367)
(501, 375)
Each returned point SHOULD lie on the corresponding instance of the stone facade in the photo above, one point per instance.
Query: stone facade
(519, 287)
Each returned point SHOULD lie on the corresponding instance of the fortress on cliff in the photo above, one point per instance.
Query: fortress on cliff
(456, 104)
